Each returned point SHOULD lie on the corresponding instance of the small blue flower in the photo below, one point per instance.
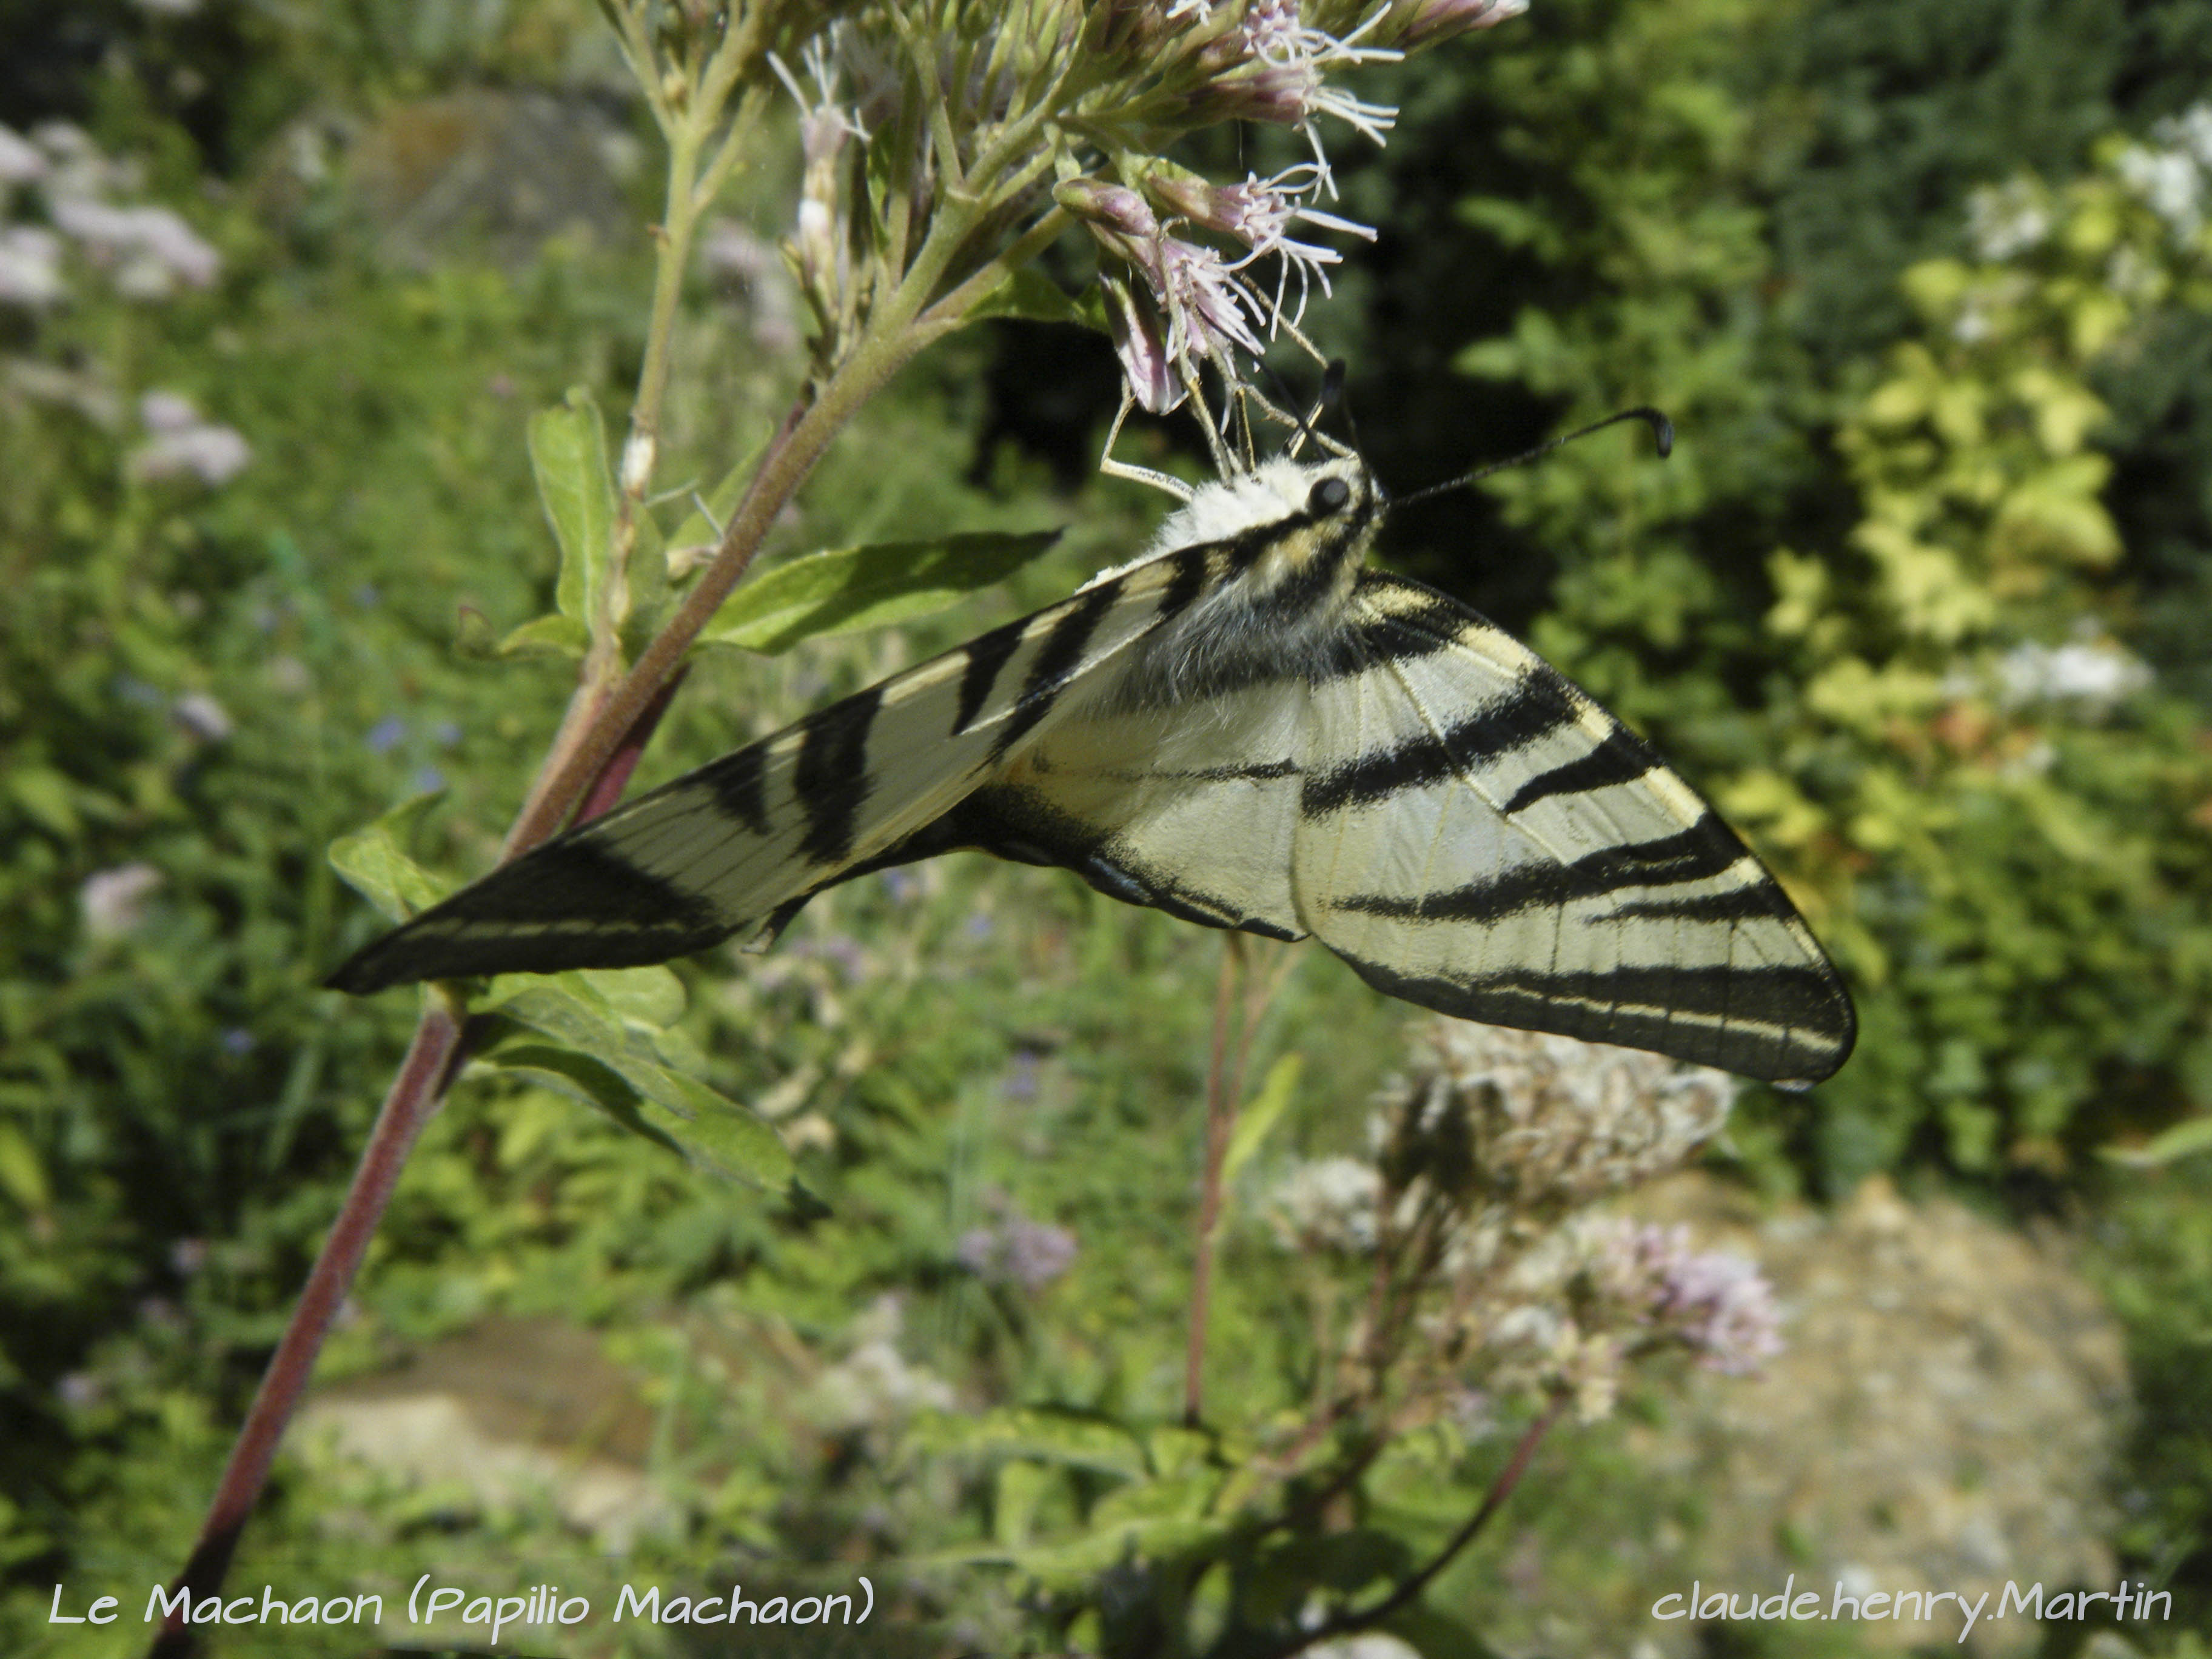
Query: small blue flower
(978, 926)
(446, 734)
(367, 596)
(428, 781)
(386, 735)
(901, 886)
(237, 1042)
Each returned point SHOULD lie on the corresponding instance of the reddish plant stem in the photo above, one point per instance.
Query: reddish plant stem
(608, 788)
(416, 1094)
(413, 1099)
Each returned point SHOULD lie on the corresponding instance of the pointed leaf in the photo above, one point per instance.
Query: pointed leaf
(716, 1132)
(371, 860)
(1031, 296)
(1256, 1119)
(2185, 1139)
(568, 453)
(549, 635)
(856, 587)
(580, 1076)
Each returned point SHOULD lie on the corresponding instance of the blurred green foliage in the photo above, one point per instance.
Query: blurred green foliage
(1911, 462)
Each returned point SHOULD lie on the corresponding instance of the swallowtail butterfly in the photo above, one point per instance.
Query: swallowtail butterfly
(1245, 727)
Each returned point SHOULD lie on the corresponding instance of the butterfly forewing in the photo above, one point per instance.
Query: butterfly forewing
(728, 847)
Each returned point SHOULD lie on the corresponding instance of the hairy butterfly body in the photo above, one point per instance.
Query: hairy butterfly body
(1245, 727)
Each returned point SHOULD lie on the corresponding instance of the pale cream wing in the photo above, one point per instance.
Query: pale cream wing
(730, 846)
(1478, 836)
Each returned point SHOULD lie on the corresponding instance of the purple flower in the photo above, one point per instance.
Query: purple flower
(428, 780)
(165, 412)
(1017, 1251)
(1273, 69)
(386, 735)
(185, 442)
(1414, 24)
(900, 885)
(1140, 342)
(1719, 1306)
(446, 734)
(81, 1390)
(1021, 1082)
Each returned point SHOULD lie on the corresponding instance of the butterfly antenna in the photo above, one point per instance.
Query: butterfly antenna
(1663, 432)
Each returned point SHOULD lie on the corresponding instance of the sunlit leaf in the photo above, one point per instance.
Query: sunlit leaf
(568, 453)
(853, 588)
(373, 862)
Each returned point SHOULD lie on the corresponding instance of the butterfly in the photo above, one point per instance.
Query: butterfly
(1246, 727)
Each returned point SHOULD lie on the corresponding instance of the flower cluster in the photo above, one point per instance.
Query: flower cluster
(180, 440)
(1105, 92)
(145, 251)
(2171, 173)
(1475, 1203)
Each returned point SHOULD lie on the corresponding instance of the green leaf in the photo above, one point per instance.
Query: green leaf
(1256, 1119)
(714, 1132)
(44, 795)
(856, 587)
(568, 453)
(22, 1176)
(1097, 1443)
(579, 1076)
(373, 862)
(645, 996)
(1034, 297)
(2184, 1140)
(549, 635)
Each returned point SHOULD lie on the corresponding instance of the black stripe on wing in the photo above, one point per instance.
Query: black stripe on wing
(1707, 848)
(571, 904)
(1530, 711)
(1776, 1022)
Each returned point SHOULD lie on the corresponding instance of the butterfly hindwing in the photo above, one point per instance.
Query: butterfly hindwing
(1194, 816)
(730, 846)
(1480, 837)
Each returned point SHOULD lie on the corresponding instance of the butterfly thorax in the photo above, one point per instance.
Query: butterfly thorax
(1281, 547)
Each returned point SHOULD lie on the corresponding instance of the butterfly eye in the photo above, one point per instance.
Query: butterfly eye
(1330, 495)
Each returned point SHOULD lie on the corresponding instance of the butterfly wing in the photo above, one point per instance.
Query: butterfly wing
(1190, 809)
(1478, 836)
(730, 846)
